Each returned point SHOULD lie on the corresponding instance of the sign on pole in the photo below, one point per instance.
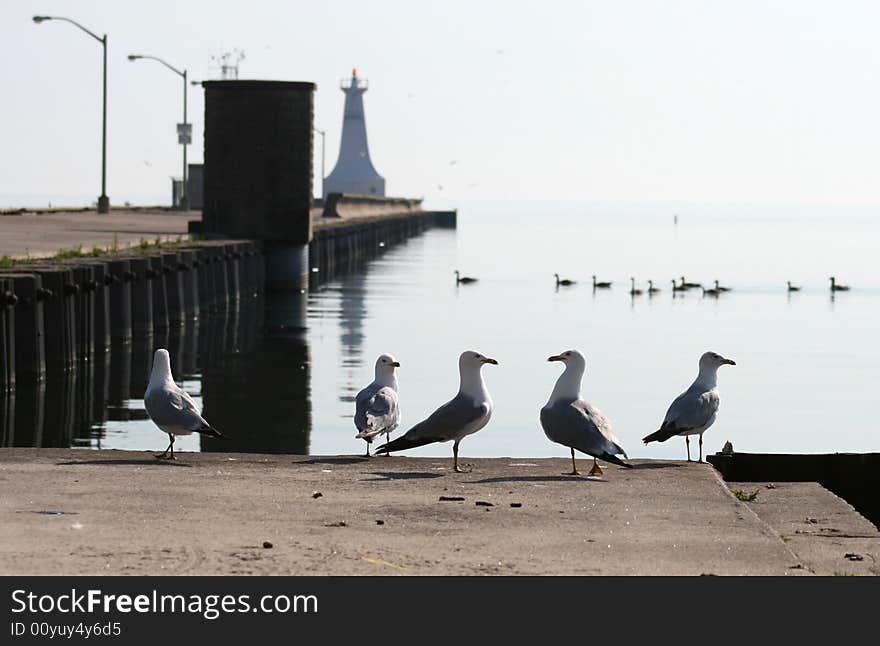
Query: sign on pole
(184, 133)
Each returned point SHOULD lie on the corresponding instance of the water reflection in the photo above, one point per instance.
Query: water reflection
(223, 357)
(352, 312)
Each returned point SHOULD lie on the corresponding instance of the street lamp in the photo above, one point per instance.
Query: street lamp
(183, 135)
(103, 200)
(322, 133)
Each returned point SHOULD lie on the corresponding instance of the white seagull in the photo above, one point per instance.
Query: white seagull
(466, 413)
(569, 420)
(170, 408)
(377, 408)
(695, 409)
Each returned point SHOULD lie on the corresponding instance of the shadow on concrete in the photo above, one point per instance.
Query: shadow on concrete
(131, 463)
(559, 478)
(409, 475)
(352, 460)
(659, 465)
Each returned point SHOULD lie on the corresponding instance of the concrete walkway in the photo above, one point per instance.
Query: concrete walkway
(43, 234)
(120, 512)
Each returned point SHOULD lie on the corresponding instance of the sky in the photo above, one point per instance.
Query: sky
(767, 101)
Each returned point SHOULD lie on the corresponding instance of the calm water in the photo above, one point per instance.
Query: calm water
(807, 364)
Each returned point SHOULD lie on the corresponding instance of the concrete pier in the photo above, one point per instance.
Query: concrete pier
(122, 512)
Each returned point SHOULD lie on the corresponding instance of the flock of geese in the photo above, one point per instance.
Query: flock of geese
(682, 286)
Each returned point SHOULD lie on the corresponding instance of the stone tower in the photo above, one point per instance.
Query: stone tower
(354, 172)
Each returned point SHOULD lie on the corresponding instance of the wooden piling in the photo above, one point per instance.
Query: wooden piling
(190, 276)
(156, 274)
(8, 300)
(119, 280)
(30, 350)
(141, 296)
(174, 287)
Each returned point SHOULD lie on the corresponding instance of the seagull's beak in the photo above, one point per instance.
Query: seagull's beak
(555, 357)
(729, 362)
(488, 360)
(396, 364)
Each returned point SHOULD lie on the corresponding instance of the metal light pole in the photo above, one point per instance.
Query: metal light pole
(183, 137)
(103, 200)
(322, 133)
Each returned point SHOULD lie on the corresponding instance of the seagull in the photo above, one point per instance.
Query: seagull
(792, 288)
(721, 289)
(695, 409)
(652, 289)
(632, 290)
(463, 279)
(170, 408)
(569, 420)
(600, 285)
(564, 281)
(466, 413)
(377, 408)
(838, 288)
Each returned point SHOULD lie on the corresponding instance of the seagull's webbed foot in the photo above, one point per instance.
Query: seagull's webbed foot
(469, 468)
(596, 470)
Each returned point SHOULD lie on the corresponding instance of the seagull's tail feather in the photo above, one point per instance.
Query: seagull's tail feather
(661, 435)
(613, 459)
(402, 443)
(210, 431)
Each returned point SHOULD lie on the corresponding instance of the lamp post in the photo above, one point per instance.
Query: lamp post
(322, 133)
(103, 200)
(183, 136)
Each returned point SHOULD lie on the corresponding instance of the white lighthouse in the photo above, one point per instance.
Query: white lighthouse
(354, 172)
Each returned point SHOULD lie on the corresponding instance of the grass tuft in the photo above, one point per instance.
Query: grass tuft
(746, 497)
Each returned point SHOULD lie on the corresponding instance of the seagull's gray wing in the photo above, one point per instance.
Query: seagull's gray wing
(581, 426)
(452, 421)
(694, 409)
(172, 408)
(377, 413)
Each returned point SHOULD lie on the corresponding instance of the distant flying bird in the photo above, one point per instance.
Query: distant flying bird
(170, 408)
(453, 162)
(695, 409)
(600, 285)
(569, 420)
(459, 279)
(377, 407)
(465, 414)
(632, 290)
(838, 288)
(563, 281)
(791, 287)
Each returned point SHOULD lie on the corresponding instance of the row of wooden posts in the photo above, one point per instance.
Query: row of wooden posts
(54, 313)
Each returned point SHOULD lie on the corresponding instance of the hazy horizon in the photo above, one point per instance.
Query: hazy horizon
(630, 102)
